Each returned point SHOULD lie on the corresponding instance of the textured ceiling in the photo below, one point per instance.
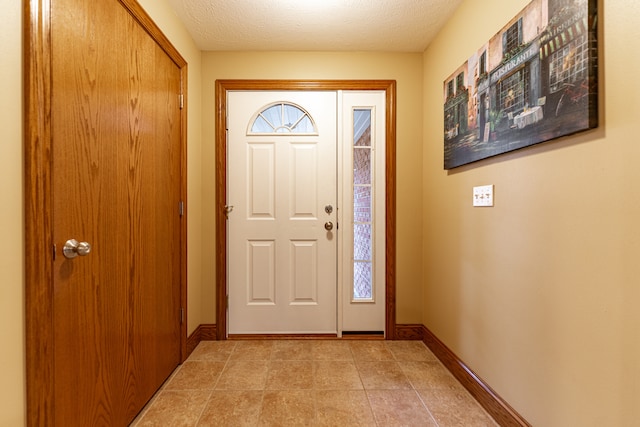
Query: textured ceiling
(314, 25)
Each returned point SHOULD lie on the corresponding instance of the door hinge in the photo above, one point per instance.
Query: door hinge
(54, 251)
(227, 302)
(181, 208)
(181, 101)
(181, 315)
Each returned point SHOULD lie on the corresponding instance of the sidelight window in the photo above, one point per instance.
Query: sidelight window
(362, 206)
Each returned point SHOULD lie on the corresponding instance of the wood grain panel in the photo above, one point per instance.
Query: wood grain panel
(38, 231)
(81, 55)
(390, 202)
(222, 87)
(85, 152)
(409, 332)
(154, 193)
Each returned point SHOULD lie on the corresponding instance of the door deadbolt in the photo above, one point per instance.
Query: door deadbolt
(72, 248)
(328, 209)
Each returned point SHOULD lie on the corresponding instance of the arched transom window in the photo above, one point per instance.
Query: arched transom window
(283, 117)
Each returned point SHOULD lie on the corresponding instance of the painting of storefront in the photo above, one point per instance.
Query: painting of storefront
(456, 107)
(535, 80)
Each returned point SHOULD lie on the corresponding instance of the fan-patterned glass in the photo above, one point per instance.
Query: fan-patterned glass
(283, 117)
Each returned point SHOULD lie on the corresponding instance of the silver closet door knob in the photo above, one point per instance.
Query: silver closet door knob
(72, 248)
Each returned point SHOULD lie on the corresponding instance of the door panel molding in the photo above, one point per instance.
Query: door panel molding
(224, 86)
(38, 202)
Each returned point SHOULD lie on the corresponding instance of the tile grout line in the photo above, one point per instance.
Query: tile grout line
(213, 387)
(415, 390)
(426, 407)
(413, 387)
(204, 407)
(264, 386)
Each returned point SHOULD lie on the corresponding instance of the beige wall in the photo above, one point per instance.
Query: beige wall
(11, 217)
(539, 294)
(407, 70)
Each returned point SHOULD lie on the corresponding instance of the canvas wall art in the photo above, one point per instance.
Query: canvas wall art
(534, 81)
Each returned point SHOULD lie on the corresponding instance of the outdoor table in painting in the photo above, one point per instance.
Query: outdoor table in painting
(528, 117)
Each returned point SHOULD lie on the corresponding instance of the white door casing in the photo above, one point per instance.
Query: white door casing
(282, 261)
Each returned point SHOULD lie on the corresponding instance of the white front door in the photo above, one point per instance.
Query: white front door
(282, 273)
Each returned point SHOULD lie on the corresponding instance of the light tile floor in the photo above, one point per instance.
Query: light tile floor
(312, 383)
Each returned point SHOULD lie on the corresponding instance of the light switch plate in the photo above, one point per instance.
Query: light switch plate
(483, 195)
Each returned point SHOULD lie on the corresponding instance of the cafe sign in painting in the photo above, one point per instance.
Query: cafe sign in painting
(534, 81)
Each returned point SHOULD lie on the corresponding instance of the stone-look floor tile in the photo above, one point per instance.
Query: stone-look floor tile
(290, 375)
(343, 408)
(292, 350)
(410, 350)
(336, 376)
(243, 375)
(232, 408)
(344, 376)
(332, 350)
(429, 375)
(382, 376)
(196, 375)
(252, 350)
(217, 351)
(455, 408)
(399, 408)
(370, 351)
(174, 408)
(288, 408)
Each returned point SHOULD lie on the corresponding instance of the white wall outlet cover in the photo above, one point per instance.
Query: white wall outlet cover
(483, 195)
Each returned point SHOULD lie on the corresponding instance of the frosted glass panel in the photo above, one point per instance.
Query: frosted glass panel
(362, 283)
(283, 118)
(261, 126)
(273, 115)
(305, 125)
(362, 203)
(362, 128)
(362, 242)
(291, 114)
(362, 206)
(362, 166)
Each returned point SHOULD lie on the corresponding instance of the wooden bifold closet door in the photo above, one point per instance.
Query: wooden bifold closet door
(116, 188)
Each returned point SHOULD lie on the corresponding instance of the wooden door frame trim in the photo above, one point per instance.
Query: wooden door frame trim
(224, 86)
(37, 134)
